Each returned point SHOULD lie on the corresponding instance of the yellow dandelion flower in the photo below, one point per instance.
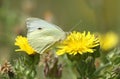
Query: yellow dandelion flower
(108, 41)
(23, 44)
(78, 42)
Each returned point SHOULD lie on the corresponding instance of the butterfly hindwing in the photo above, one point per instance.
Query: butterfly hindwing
(40, 43)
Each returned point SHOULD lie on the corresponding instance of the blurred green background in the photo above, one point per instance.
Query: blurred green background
(93, 15)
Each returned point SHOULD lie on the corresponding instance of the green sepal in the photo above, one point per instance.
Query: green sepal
(96, 53)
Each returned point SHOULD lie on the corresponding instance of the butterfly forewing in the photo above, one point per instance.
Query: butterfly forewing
(42, 35)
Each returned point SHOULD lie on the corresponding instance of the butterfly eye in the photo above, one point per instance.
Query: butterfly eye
(39, 28)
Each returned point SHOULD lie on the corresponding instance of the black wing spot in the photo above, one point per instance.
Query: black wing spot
(39, 28)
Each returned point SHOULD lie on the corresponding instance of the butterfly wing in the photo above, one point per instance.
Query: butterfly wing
(39, 41)
(42, 35)
(35, 23)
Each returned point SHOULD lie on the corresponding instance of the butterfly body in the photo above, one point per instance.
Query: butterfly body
(42, 35)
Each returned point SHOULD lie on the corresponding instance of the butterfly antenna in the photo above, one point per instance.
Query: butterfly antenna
(78, 23)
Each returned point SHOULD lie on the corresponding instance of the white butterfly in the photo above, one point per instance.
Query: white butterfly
(42, 35)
